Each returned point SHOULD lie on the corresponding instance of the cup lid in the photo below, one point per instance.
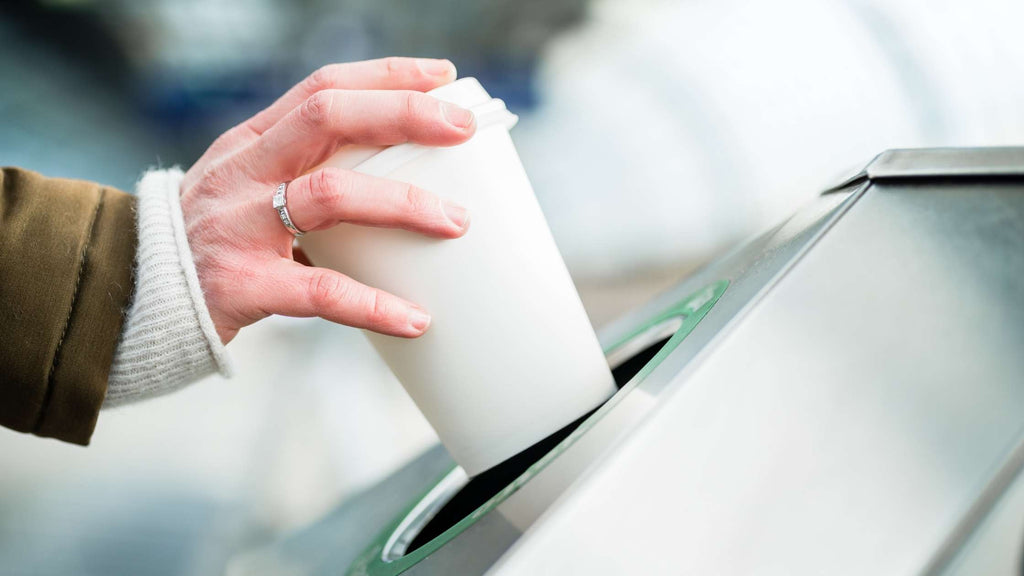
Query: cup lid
(466, 92)
(380, 160)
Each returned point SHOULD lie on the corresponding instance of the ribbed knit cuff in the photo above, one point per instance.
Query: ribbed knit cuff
(168, 340)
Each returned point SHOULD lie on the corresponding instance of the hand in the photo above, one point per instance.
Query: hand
(244, 254)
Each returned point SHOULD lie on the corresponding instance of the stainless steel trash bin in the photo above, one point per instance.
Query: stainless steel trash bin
(844, 394)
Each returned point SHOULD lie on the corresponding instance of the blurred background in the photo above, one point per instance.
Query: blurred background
(657, 135)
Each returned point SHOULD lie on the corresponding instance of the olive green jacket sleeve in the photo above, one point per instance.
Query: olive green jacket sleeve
(66, 255)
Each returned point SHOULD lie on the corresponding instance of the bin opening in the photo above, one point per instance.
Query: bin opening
(485, 485)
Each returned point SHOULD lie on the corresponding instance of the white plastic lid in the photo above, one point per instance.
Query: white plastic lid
(381, 160)
(466, 92)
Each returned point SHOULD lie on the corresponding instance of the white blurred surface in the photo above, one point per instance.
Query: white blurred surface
(669, 130)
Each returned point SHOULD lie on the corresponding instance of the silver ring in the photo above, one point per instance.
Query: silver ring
(281, 205)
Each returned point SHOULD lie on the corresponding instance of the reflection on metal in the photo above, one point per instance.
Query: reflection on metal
(917, 163)
(412, 524)
(947, 163)
(990, 537)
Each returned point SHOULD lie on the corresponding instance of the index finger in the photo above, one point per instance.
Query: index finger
(327, 120)
(395, 73)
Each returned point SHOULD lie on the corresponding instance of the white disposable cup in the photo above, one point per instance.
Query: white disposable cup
(510, 355)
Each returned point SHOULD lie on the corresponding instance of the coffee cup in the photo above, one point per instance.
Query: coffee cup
(510, 355)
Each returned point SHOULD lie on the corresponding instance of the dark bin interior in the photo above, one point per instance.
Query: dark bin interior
(485, 485)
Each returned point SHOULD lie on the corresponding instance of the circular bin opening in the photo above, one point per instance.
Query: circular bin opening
(627, 359)
(457, 496)
(456, 502)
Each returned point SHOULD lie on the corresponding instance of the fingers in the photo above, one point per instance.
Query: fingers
(420, 74)
(296, 290)
(329, 196)
(328, 119)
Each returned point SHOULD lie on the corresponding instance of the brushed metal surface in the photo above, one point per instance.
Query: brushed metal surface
(992, 544)
(845, 424)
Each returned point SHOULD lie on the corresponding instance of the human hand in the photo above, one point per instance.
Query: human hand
(244, 255)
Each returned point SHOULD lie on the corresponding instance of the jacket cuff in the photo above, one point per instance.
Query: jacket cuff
(66, 249)
(169, 339)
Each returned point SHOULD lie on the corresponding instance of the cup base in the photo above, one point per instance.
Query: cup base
(490, 482)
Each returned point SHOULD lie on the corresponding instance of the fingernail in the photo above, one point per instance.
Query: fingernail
(433, 67)
(456, 214)
(419, 320)
(456, 115)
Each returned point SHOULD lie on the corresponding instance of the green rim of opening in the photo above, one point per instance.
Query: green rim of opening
(691, 309)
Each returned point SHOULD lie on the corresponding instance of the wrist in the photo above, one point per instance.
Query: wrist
(169, 338)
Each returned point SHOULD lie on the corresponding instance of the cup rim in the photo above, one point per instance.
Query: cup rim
(490, 114)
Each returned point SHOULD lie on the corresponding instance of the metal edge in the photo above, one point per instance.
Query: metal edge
(1007, 472)
(372, 561)
(723, 332)
(992, 162)
(926, 163)
(427, 507)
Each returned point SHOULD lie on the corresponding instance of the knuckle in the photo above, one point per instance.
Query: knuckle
(396, 66)
(325, 291)
(412, 106)
(418, 200)
(215, 178)
(316, 110)
(326, 188)
(225, 140)
(321, 79)
(378, 312)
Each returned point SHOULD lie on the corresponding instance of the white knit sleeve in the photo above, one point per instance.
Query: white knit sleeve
(168, 340)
